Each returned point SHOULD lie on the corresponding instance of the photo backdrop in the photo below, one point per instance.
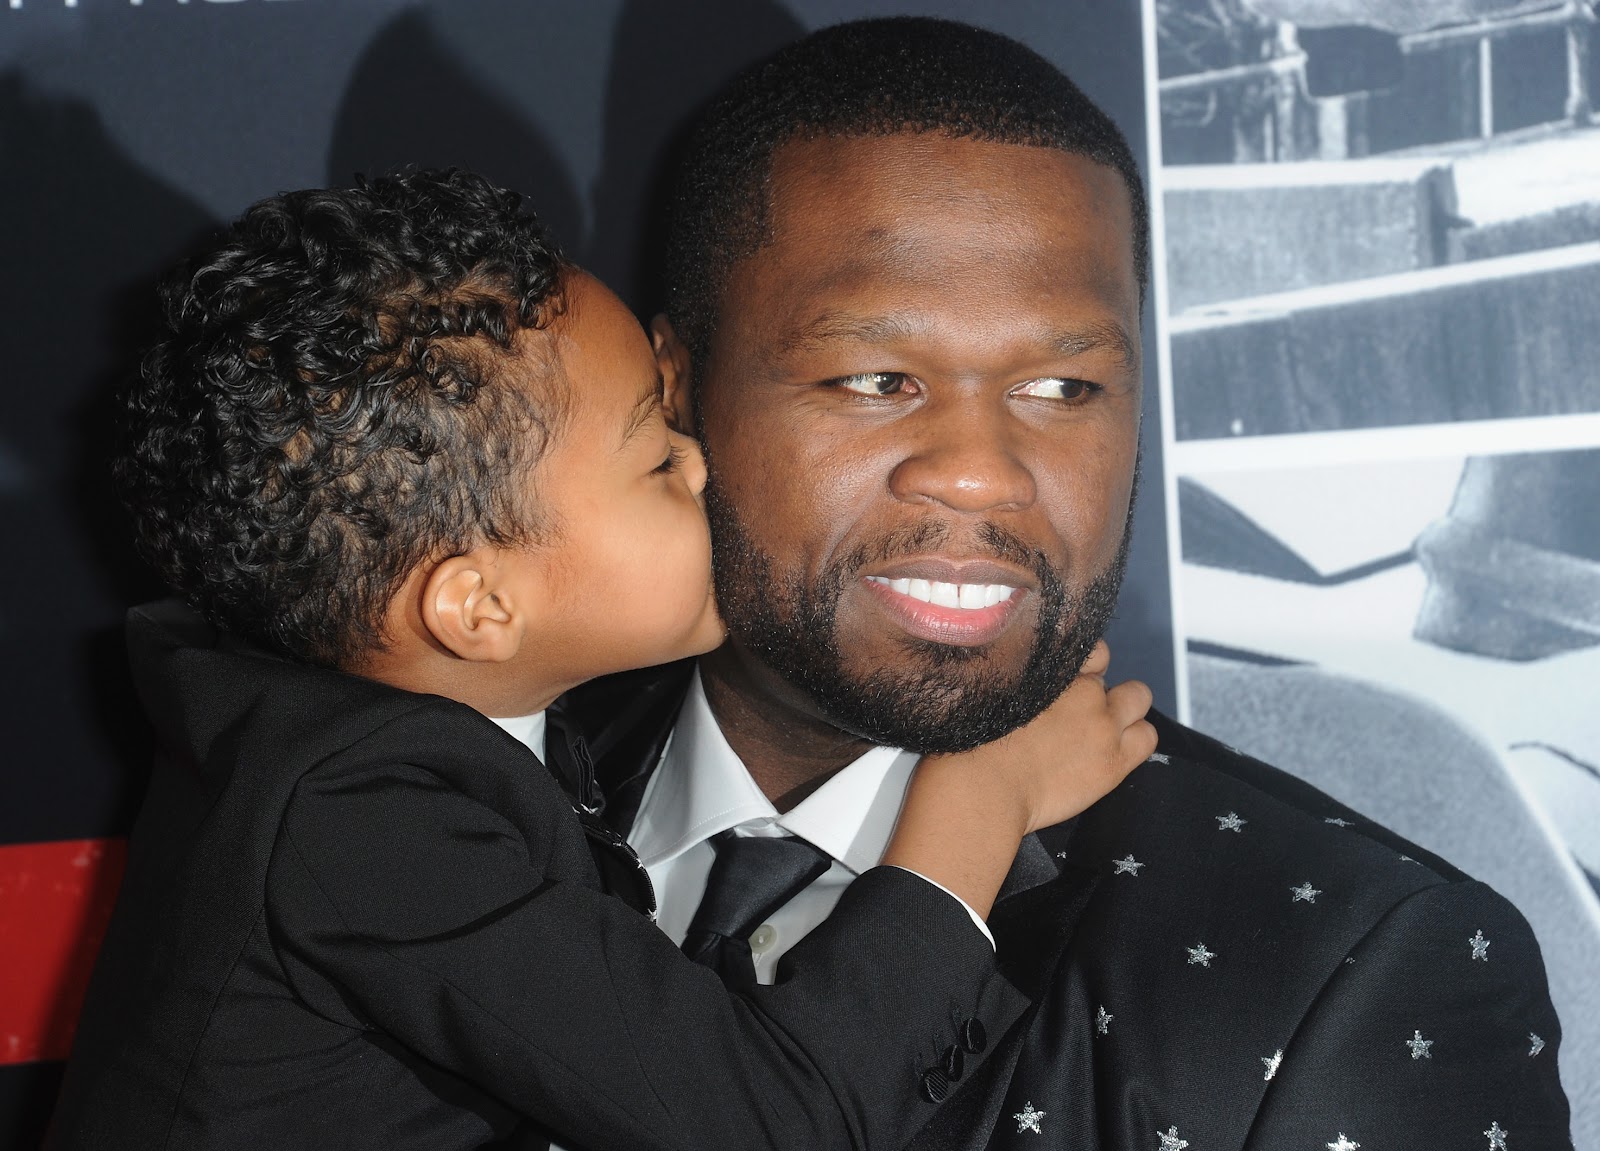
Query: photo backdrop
(128, 128)
(1382, 237)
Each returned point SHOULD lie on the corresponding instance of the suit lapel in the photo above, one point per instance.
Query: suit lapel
(1033, 920)
(1032, 926)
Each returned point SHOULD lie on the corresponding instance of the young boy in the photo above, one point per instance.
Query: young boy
(411, 470)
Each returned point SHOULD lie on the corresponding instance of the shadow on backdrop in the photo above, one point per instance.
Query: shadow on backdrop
(90, 232)
(666, 62)
(412, 101)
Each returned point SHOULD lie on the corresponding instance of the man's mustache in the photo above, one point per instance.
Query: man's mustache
(988, 541)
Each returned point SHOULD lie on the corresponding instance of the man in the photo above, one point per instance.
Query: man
(907, 265)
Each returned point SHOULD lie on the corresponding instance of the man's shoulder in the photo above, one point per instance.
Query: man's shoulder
(1197, 782)
(1230, 936)
(1206, 842)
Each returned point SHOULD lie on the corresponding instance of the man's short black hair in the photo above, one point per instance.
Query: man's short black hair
(865, 78)
(330, 405)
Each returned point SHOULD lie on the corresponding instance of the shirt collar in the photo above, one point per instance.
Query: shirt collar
(702, 788)
(526, 729)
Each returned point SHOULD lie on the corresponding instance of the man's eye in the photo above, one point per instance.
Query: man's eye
(875, 383)
(1055, 388)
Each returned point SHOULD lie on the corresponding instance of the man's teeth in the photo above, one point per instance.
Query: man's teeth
(969, 596)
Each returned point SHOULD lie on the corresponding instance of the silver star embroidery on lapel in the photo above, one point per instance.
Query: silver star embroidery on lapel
(1480, 947)
(1061, 855)
(1199, 954)
(1272, 1061)
(1127, 865)
(1170, 1141)
(1102, 1021)
(1538, 1044)
(1028, 1119)
(1157, 757)
(1419, 1046)
(1304, 893)
(1497, 1137)
(1337, 822)
(1229, 822)
(1343, 1144)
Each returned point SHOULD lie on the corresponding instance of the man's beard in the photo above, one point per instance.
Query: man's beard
(941, 698)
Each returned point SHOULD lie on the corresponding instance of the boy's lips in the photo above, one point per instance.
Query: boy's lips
(968, 611)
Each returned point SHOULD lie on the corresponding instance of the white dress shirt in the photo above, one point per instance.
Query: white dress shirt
(529, 729)
(702, 788)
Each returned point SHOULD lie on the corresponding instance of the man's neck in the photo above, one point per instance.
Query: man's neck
(788, 748)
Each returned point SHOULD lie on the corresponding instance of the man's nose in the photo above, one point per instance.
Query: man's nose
(967, 457)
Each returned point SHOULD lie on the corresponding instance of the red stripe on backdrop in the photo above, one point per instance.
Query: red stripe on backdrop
(55, 903)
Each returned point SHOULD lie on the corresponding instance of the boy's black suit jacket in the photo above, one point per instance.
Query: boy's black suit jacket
(355, 917)
(1219, 956)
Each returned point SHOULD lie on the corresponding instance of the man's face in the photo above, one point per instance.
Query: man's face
(921, 412)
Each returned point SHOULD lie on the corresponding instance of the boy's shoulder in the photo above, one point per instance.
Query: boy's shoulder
(219, 704)
(374, 785)
(242, 734)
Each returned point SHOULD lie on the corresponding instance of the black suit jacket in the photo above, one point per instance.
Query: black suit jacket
(355, 917)
(1219, 956)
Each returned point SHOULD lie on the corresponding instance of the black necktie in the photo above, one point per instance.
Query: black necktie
(751, 878)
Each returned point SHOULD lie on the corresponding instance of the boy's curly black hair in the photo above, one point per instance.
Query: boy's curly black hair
(868, 78)
(340, 395)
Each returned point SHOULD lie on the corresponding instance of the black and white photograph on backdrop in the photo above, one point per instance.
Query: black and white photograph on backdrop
(1382, 237)
(1379, 213)
(1420, 638)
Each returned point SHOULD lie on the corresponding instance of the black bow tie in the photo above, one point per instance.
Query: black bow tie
(751, 878)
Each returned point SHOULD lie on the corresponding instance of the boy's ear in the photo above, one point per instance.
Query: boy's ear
(672, 358)
(469, 607)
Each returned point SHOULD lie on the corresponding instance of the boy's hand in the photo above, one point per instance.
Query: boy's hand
(1076, 751)
(966, 813)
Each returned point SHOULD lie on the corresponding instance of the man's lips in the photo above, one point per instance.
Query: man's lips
(969, 610)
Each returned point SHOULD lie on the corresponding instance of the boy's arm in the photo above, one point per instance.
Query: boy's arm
(397, 902)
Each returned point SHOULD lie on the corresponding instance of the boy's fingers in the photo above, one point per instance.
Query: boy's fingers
(1129, 701)
(1098, 662)
(1138, 742)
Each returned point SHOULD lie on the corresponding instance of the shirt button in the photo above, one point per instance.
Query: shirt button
(763, 939)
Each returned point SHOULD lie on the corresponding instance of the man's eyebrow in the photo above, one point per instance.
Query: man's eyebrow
(647, 406)
(901, 326)
(850, 326)
(1093, 337)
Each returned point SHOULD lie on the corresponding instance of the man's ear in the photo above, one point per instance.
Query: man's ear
(469, 607)
(672, 358)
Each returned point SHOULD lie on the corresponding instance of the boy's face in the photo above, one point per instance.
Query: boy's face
(627, 570)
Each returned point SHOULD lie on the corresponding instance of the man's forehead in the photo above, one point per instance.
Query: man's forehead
(877, 235)
(933, 166)
(849, 207)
